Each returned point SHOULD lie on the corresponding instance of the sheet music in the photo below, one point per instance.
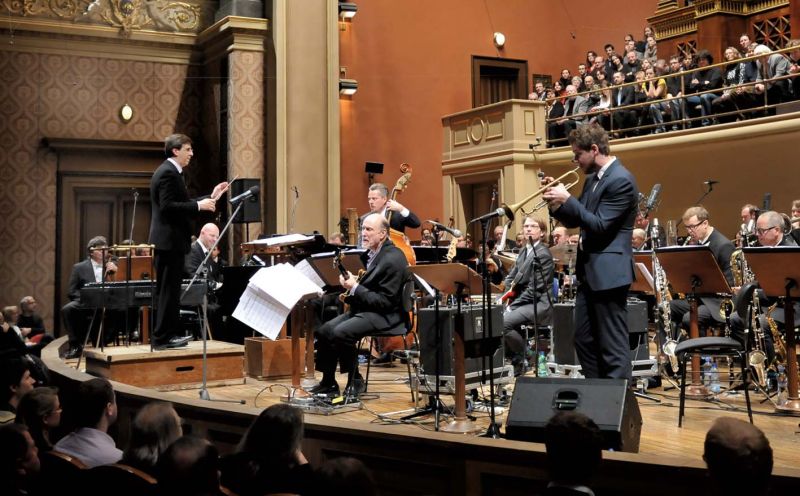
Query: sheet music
(646, 273)
(269, 297)
(308, 270)
(288, 239)
(422, 282)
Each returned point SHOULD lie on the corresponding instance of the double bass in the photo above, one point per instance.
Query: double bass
(388, 345)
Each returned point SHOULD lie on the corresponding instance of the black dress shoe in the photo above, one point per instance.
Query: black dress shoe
(383, 358)
(73, 353)
(357, 387)
(329, 390)
(174, 342)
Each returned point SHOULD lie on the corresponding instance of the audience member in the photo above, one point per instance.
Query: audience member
(40, 411)
(630, 66)
(566, 78)
(30, 323)
(744, 42)
(154, 428)
(624, 119)
(15, 381)
(96, 411)
(736, 74)
(772, 67)
(655, 90)
(269, 458)
(346, 475)
(709, 78)
(651, 50)
(574, 452)
(675, 89)
(19, 460)
(189, 467)
(739, 458)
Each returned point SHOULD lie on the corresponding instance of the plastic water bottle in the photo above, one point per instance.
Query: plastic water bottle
(542, 365)
(715, 386)
(707, 371)
(783, 383)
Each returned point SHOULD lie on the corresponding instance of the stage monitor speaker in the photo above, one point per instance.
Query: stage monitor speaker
(373, 167)
(474, 332)
(564, 332)
(608, 402)
(251, 207)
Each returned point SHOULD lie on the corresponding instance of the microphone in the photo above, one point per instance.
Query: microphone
(247, 194)
(767, 201)
(455, 232)
(653, 198)
(710, 182)
(494, 213)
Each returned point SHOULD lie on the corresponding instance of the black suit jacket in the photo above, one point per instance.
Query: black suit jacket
(627, 96)
(722, 248)
(533, 283)
(82, 274)
(194, 259)
(605, 215)
(172, 210)
(379, 295)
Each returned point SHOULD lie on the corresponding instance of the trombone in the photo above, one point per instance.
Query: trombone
(510, 210)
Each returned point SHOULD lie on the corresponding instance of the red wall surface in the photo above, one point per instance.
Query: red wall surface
(412, 60)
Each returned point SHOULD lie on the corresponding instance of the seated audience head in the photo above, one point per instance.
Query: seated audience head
(28, 305)
(557, 88)
(731, 54)
(795, 53)
(769, 228)
(190, 467)
(616, 60)
(638, 238)
(581, 70)
(16, 382)
(346, 475)
(40, 411)
(796, 214)
(577, 81)
(566, 75)
(11, 314)
(588, 81)
(154, 428)
(609, 48)
(574, 448)
(19, 458)
(96, 404)
(630, 57)
(277, 433)
(744, 42)
(762, 50)
(661, 67)
(648, 32)
(704, 58)
(738, 456)
(590, 56)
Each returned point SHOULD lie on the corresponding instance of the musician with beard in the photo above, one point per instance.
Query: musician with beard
(375, 301)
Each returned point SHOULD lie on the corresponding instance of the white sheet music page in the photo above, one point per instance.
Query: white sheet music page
(269, 297)
(287, 239)
(307, 270)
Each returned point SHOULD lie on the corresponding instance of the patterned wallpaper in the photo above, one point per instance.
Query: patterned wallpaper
(78, 97)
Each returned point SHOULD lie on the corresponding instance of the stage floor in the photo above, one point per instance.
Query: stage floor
(660, 436)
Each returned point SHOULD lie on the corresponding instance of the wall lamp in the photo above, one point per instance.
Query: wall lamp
(348, 87)
(347, 10)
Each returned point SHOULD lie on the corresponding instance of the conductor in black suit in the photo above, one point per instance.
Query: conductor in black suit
(170, 232)
(74, 316)
(375, 303)
(605, 213)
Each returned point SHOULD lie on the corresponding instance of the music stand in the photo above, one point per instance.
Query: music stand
(777, 270)
(693, 270)
(453, 278)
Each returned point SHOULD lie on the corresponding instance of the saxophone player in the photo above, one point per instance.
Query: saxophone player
(770, 229)
(701, 232)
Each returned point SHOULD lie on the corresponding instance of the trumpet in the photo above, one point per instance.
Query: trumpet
(510, 210)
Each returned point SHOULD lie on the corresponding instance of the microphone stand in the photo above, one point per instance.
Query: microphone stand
(493, 430)
(705, 193)
(128, 273)
(204, 321)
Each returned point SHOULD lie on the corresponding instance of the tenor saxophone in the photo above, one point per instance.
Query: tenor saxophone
(757, 357)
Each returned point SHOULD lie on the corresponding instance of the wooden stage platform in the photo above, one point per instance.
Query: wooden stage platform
(669, 459)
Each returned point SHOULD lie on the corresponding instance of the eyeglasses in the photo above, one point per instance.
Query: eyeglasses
(764, 231)
(693, 227)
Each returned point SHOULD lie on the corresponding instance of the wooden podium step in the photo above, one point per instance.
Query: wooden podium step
(177, 368)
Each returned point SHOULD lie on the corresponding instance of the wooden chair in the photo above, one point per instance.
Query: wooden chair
(122, 479)
(60, 471)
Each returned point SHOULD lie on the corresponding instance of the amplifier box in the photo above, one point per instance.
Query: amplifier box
(476, 342)
(564, 332)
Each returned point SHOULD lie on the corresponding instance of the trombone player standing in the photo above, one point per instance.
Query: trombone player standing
(605, 213)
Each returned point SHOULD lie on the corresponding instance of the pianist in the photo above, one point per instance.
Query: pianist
(208, 236)
(93, 269)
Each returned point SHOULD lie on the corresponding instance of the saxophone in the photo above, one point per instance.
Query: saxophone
(663, 299)
(757, 358)
(778, 340)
